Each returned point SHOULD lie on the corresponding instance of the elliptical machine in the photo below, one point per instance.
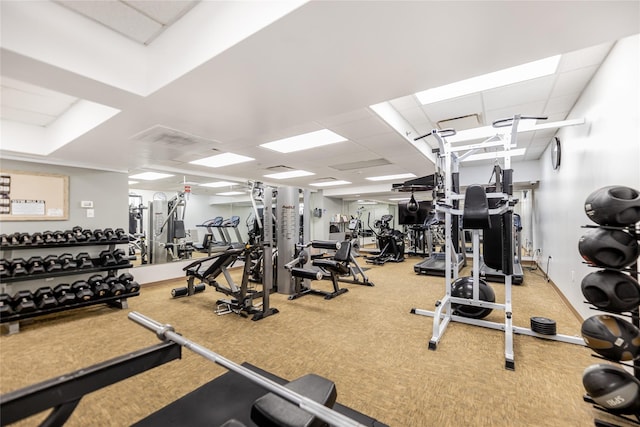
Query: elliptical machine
(390, 242)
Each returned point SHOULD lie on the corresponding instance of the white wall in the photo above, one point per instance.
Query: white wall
(604, 151)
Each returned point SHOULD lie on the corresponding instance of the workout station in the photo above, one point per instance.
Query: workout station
(342, 233)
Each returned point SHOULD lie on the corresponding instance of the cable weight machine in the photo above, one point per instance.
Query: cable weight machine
(477, 212)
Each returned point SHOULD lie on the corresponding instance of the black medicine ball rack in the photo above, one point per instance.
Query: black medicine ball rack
(633, 314)
(109, 260)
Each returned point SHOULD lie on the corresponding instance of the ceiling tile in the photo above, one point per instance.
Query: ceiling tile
(165, 12)
(518, 93)
(573, 81)
(405, 103)
(462, 106)
(361, 128)
(340, 119)
(117, 16)
(584, 57)
(560, 104)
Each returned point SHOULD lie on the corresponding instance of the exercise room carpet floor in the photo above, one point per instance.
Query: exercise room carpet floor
(366, 341)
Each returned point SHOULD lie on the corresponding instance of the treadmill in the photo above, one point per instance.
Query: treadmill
(434, 264)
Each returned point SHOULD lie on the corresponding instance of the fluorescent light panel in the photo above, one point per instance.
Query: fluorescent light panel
(218, 184)
(220, 160)
(520, 73)
(150, 176)
(329, 183)
(133, 182)
(390, 177)
(305, 141)
(399, 198)
(290, 174)
(231, 193)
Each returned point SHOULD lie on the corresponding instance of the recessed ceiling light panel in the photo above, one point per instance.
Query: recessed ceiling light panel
(330, 183)
(391, 177)
(231, 193)
(150, 176)
(291, 174)
(520, 73)
(218, 184)
(220, 160)
(305, 141)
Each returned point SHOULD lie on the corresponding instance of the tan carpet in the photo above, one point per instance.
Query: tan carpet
(365, 340)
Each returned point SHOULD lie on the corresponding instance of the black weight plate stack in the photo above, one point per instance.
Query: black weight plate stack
(543, 325)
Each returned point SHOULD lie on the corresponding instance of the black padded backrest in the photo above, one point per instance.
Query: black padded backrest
(476, 208)
(344, 252)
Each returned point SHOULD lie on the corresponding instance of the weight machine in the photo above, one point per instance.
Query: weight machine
(478, 211)
(166, 224)
(137, 236)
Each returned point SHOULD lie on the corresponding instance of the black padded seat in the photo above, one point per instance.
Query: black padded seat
(339, 263)
(476, 209)
(272, 410)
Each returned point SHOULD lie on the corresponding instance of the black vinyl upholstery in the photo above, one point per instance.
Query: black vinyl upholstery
(476, 209)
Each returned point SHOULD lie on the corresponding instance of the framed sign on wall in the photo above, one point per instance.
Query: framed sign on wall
(33, 196)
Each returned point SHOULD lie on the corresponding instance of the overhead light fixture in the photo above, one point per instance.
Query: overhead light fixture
(150, 176)
(367, 202)
(305, 141)
(391, 177)
(519, 73)
(231, 193)
(329, 183)
(220, 160)
(133, 182)
(396, 199)
(218, 184)
(290, 174)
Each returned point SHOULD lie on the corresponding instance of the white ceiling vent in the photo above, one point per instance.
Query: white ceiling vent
(171, 137)
(360, 165)
(469, 121)
(279, 168)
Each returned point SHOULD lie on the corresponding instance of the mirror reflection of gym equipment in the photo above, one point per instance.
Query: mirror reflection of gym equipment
(168, 240)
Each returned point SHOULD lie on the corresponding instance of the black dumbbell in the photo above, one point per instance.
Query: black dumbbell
(59, 236)
(99, 235)
(83, 260)
(121, 234)
(24, 238)
(69, 236)
(18, 267)
(107, 259)
(37, 239)
(4, 240)
(14, 239)
(67, 262)
(5, 268)
(44, 298)
(110, 234)
(51, 264)
(180, 292)
(78, 235)
(48, 237)
(5, 305)
(89, 237)
(98, 285)
(35, 265)
(64, 294)
(115, 287)
(23, 302)
(121, 257)
(82, 290)
(130, 285)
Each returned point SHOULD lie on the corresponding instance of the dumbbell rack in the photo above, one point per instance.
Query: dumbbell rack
(12, 322)
(634, 231)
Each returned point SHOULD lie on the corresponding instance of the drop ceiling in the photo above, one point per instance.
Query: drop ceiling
(201, 81)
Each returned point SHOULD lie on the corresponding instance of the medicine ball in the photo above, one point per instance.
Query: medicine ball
(463, 288)
(613, 388)
(614, 205)
(611, 290)
(608, 248)
(611, 337)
